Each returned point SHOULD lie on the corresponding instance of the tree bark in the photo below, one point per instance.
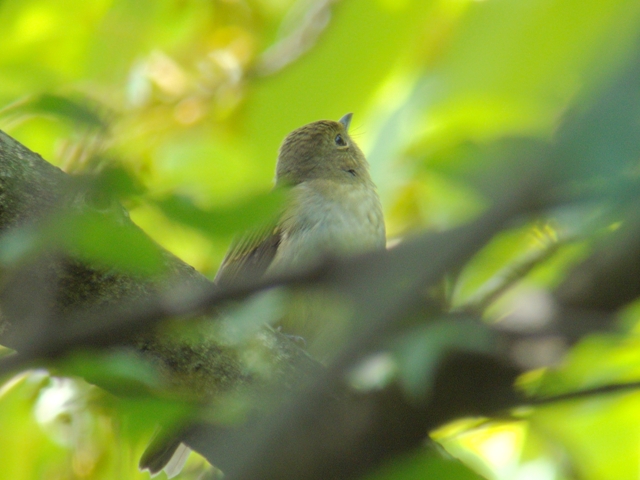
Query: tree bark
(40, 293)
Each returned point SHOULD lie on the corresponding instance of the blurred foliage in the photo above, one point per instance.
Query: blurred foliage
(415, 466)
(192, 97)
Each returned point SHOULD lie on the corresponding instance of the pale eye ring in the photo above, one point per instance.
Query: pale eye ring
(341, 142)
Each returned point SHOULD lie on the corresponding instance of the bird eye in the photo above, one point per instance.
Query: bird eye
(340, 141)
(352, 172)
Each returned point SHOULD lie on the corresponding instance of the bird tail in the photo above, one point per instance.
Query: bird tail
(164, 453)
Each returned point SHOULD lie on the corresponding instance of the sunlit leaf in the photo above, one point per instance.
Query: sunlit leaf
(600, 434)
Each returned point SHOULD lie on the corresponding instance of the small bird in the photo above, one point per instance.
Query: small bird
(333, 208)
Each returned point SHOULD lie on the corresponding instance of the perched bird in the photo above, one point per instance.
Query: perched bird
(332, 209)
(333, 206)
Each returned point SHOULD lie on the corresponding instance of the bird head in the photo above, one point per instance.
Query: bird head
(321, 150)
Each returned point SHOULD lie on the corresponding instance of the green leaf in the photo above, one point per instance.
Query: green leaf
(78, 112)
(120, 372)
(598, 435)
(117, 181)
(223, 221)
(424, 464)
(420, 351)
(102, 239)
(599, 139)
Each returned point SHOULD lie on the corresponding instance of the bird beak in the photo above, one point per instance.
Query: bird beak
(346, 121)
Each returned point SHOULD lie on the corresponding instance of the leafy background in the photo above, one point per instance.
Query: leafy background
(192, 98)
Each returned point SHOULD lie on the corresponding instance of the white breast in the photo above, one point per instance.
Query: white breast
(327, 217)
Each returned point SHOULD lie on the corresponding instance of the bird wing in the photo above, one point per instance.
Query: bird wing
(250, 256)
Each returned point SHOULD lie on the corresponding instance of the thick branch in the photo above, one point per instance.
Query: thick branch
(37, 298)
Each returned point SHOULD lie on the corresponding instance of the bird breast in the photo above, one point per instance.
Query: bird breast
(326, 217)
